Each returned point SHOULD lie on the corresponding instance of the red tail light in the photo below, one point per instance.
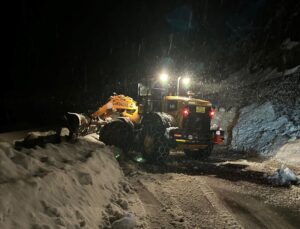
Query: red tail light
(211, 113)
(185, 112)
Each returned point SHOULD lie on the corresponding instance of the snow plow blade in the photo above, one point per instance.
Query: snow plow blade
(81, 124)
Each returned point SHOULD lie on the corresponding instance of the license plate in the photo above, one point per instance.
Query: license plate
(200, 109)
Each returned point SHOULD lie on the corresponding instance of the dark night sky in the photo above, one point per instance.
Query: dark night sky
(54, 45)
(71, 55)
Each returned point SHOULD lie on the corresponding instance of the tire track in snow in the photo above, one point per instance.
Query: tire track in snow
(153, 207)
(228, 219)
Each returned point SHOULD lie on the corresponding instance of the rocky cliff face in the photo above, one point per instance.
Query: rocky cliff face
(263, 129)
(258, 95)
(261, 116)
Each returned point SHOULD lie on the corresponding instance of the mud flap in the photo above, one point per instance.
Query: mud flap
(218, 136)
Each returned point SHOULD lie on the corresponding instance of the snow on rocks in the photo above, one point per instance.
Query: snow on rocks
(58, 186)
(40, 139)
(284, 177)
(289, 153)
(123, 203)
(126, 222)
(288, 44)
(117, 213)
(264, 128)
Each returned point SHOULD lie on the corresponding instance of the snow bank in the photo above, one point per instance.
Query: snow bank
(264, 128)
(59, 186)
(284, 177)
(289, 153)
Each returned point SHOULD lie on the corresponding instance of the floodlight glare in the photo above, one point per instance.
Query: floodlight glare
(163, 77)
(186, 81)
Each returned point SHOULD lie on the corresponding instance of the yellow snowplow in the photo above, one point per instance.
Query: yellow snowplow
(180, 123)
(119, 105)
(116, 107)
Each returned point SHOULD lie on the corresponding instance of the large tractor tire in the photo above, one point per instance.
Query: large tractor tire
(118, 133)
(201, 153)
(155, 145)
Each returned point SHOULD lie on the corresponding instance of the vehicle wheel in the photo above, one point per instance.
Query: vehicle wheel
(199, 154)
(155, 146)
(117, 133)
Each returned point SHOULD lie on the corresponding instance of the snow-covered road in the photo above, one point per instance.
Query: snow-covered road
(80, 184)
(222, 192)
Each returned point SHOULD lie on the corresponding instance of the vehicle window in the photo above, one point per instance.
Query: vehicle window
(171, 105)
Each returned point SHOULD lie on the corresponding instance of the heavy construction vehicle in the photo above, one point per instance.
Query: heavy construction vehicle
(182, 123)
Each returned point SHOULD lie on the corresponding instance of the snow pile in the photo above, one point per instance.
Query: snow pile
(36, 138)
(288, 44)
(126, 222)
(264, 128)
(59, 186)
(284, 177)
(289, 153)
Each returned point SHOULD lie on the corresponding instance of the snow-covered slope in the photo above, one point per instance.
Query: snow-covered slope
(262, 128)
(59, 186)
(263, 113)
(290, 153)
